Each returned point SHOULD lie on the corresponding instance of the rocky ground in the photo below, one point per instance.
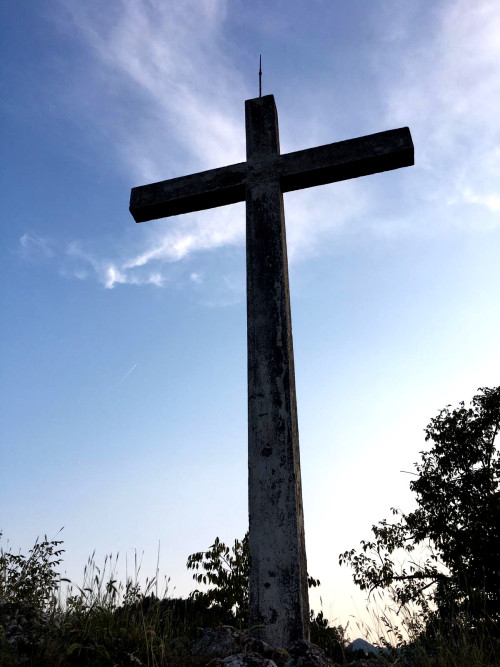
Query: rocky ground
(232, 648)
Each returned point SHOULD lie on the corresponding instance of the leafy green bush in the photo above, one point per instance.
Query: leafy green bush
(228, 573)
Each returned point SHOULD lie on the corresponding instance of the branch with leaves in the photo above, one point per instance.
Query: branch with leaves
(227, 571)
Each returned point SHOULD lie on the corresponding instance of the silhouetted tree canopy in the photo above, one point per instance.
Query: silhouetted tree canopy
(457, 519)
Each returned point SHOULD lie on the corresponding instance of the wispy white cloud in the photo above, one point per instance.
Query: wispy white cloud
(491, 201)
(35, 247)
(149, 266)
(193, 233)
(167, 64)
(112, 276)
(80, 263)
(195, 277)
(447, 89)
(159, 87)
(74, 261)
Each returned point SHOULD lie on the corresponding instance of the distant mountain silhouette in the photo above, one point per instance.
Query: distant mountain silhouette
(363, 645)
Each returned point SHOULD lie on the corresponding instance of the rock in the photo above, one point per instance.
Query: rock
(242, 660)
(304, 654)
(226, 646)
(225, 642)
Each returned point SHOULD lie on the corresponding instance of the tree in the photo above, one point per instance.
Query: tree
(229, 575)
(457, 519)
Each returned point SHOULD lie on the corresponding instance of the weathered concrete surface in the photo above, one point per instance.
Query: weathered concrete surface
(278, 570)
(207, 189)
(342, 160)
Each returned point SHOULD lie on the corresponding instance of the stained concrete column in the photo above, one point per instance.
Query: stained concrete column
(278, 569)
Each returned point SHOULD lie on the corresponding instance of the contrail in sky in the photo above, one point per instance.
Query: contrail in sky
(128, 372)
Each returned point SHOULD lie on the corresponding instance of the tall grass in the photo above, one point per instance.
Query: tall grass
(101, 622)
(46, 621)
(404, 635)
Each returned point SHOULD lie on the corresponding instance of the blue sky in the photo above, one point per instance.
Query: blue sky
(124, 346)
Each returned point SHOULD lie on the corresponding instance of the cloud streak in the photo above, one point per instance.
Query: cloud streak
(131, 370)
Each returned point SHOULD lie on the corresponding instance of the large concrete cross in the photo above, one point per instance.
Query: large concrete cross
(278, 572)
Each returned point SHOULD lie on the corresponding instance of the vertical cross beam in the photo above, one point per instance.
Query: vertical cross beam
(278, 570)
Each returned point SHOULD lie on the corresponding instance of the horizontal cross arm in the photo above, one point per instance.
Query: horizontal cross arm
(346, 159)
(207, 189)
